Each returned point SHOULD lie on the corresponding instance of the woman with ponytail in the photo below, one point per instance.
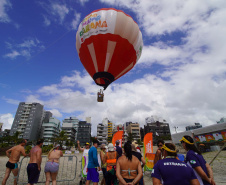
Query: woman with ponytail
(194, 159)
(128, 167)
(52, 165)
(172, 171)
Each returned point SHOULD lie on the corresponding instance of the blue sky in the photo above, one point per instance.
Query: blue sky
(181, 75)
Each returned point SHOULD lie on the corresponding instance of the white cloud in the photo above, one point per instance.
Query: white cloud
(181, 101)
(76, 21)
(56, 113)
(47, 22)
(7, 120)
(4, 6)
(11, 101)
(12, 55)
(60, 10)
(83, 1)
(26, 48)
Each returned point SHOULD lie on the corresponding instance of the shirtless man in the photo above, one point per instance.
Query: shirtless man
(14, 156)
(34, 166)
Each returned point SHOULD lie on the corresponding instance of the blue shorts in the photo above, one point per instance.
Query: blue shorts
(33, 173)
(93, 175)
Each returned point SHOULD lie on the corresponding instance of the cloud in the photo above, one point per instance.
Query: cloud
(25, 49)
(83, 2)
(12, 55)
(60, 10)
(56, 113)
(4, 7)
(47, 22)
(181, 100)
(11, 101)
(7, 120)
(76, 21)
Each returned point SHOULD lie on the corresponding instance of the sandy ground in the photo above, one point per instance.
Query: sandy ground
(68, 170)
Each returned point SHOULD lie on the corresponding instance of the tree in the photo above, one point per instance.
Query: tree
(15, 137)
(139, 142)
(130, 137)
(62, 138)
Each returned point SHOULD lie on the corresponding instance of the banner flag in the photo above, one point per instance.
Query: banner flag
(223, 135)
(117, 136)
(218, 137)
(209, 138)
(148, 152)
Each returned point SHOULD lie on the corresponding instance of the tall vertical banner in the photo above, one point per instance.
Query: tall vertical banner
(117, 136)
(148, 152)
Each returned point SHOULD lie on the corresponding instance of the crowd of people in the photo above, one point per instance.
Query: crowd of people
(121, 166)
(34, 164)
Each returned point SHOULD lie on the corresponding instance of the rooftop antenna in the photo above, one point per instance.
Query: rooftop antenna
(175, 128)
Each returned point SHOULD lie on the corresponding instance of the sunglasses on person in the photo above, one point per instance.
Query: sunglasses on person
(159, 145)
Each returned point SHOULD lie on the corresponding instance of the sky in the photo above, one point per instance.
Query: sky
(181, 75)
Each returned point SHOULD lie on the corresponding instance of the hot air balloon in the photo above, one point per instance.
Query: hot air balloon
(109, 44)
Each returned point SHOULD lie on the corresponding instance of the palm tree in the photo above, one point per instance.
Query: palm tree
(15, 137)
(130, 137)
(62, 138)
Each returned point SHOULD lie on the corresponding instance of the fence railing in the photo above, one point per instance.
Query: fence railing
(67, 169)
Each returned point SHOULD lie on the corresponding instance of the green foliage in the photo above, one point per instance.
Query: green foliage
(28, 148)
(139, 142)
(3, 145)
(46, 149)
(165, 137)
(130, 137)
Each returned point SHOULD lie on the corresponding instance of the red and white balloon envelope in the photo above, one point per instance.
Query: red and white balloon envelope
(109, 44)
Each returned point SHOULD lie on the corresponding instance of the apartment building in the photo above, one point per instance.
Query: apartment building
(74, 122)
(69, 130)
(192, 127)
(134, 129)
(50, 130)
(110, 129)
(28, 121)
(102, 133)
(158, 126)
(84, 132)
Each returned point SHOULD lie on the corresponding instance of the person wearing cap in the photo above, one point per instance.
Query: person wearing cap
(118, 149)
(158, 155)
(93, 164)
(194, 159)
(52, 165)
(110, 158)
(172, 171)
(84, 150)
(85, 156)
(103, 165)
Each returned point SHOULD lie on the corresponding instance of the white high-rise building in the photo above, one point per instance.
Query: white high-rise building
(72, 122)
(50, 130)
(102, 131)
